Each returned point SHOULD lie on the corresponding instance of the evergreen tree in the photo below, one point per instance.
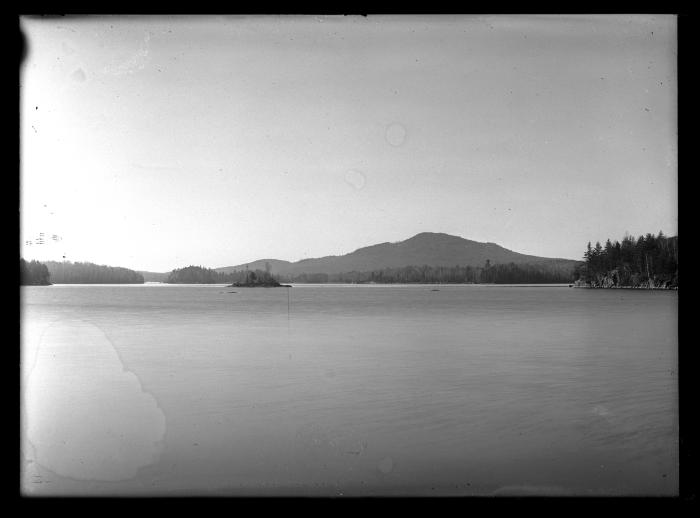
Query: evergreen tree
(647, 261)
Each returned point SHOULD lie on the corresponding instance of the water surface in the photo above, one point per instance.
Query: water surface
(353, 390)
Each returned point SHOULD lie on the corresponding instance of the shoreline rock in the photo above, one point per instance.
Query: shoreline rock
(605, 286)
(621, 279)
(589, 287)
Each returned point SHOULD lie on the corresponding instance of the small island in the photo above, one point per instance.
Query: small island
(258, 279)
(239, 279)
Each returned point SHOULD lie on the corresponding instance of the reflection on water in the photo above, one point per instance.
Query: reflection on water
(357, 390)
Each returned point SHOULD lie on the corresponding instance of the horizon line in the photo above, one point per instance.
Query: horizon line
(318, 257)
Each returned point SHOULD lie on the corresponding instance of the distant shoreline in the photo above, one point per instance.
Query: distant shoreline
(367, 284)
(646, 288)
(328, 284)
(259, 285)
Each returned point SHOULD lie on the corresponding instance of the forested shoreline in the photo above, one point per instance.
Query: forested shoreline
(648, 262)
(509, 273)
(33, 273)
(67, 272)
(553, 273)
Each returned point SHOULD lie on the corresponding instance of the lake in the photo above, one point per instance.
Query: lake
(348, 390)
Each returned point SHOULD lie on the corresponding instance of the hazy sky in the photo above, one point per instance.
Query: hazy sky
(158, 142)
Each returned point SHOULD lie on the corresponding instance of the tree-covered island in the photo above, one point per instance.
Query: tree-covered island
(257, 279)
(238, 279)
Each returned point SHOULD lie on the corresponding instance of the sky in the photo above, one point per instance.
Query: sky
(158, 142)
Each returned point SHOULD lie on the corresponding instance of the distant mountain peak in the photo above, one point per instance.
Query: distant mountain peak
(438, 237)
(432, 235)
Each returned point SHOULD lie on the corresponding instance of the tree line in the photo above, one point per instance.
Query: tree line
(509, 273)
(647, 261)
(66, 272)
(33, 273)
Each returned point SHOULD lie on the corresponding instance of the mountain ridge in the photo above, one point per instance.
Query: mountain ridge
(425, 248)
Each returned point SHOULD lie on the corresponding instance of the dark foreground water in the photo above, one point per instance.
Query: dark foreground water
(352, 390)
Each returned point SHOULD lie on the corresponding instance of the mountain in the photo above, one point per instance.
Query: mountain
(426, 248)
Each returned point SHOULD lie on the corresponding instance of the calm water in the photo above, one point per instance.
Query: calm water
(353, 390)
